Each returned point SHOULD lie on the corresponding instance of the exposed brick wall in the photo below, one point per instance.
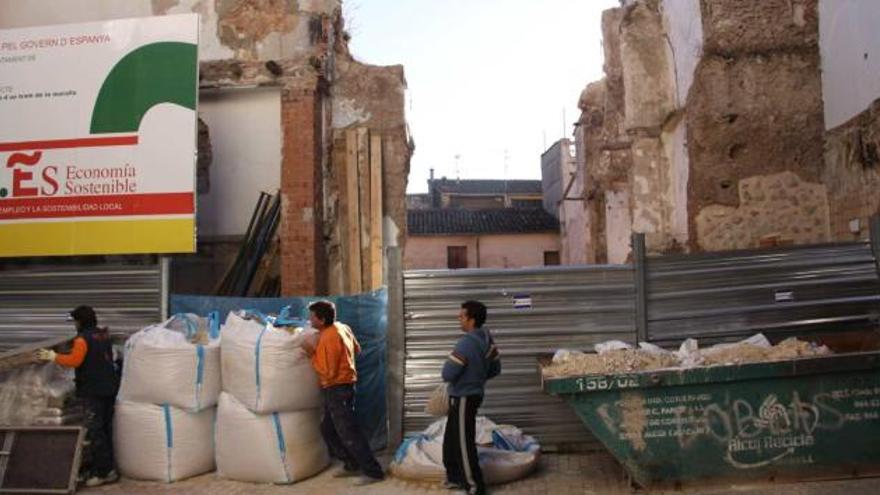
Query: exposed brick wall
(303, 265)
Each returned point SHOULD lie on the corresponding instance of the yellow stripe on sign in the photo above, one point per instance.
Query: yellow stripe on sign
(175, 235)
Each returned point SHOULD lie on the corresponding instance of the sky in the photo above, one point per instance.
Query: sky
(491, 82)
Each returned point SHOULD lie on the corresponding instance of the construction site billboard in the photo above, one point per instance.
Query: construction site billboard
(98, 137)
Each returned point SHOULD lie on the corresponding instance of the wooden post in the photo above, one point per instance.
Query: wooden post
(376, 205)
(336, 257)
(352, 247)
(363, 148)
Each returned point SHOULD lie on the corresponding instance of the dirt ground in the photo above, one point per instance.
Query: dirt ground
(557, 474)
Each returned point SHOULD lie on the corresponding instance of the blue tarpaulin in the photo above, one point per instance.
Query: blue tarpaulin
(365, 313)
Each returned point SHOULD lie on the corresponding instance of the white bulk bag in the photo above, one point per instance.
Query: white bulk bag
(268, 448)
(505, 453)
(162, 443)
(162, 366)
(266, 368)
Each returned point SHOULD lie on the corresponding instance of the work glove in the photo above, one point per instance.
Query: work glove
(46, 355)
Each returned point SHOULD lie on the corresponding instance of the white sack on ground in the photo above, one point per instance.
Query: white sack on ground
(266, 368)
(162, 443)
(27, 390)
(163, 366)
(505, 453)
(268, 448)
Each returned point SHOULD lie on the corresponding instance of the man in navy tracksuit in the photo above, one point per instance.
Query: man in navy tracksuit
(474, 360)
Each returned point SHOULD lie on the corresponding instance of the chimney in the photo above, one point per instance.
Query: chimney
(431, 176)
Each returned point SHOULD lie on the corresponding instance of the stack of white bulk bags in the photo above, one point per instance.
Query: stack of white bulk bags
(165, 412)
(162, 442)
(268, 420)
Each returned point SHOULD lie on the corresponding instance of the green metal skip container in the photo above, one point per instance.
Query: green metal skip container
(810, 418)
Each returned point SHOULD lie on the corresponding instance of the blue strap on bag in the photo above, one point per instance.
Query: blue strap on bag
(257, 364)
(169, 441)
(282, 448)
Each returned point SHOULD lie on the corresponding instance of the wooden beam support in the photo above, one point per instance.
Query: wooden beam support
(352, 247)
(363, 149)
(376, 213)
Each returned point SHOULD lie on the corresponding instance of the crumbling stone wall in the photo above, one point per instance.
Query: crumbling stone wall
(772, 209)
(717, 105)
(324, 90)
(755, 109)
(852, 174)
(372, 97)
(300, 47)
(621, 150)
(254, 29)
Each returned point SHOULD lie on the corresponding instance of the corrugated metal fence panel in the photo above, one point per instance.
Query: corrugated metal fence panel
(572, 307)
(34, 302)
(721, 296)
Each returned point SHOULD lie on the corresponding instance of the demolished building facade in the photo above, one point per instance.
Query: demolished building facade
(296, 52)
(711, 128)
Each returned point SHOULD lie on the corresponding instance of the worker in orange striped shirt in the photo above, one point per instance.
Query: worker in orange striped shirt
(334, 361)
(96, 385)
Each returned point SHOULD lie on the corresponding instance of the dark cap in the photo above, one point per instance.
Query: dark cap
(85, 315)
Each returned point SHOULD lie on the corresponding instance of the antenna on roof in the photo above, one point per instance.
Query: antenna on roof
(457, 169)
(563, 121)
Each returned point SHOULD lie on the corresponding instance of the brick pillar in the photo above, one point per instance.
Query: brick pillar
(303, 268)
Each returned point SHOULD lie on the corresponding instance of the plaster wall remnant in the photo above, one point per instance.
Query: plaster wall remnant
(618, 232)
(650, 186)
(242, 24)
(161, 7)
(683, 28)
(649, 94)
(210, 47)
(675, 147)
(347, 113)
(780, 206)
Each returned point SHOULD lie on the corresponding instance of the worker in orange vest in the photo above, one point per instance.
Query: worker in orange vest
(96, 386)
(334, 361)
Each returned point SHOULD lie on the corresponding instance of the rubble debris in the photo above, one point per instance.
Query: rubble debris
(615, 361)
(618, 357)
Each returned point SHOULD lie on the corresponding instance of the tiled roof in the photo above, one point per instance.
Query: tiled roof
(486, 186)
(497, 221)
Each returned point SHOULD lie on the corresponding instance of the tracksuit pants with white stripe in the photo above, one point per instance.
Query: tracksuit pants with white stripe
(459, 444)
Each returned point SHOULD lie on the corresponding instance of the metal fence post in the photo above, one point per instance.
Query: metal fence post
(395, 342)
(165, 289)
(875, 240)
(641, 286)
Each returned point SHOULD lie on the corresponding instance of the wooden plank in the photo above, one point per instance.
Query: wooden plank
(266, 267)
(363, 135)
(376, 205)
(336, 258)
(352, 248)
(24, 354)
